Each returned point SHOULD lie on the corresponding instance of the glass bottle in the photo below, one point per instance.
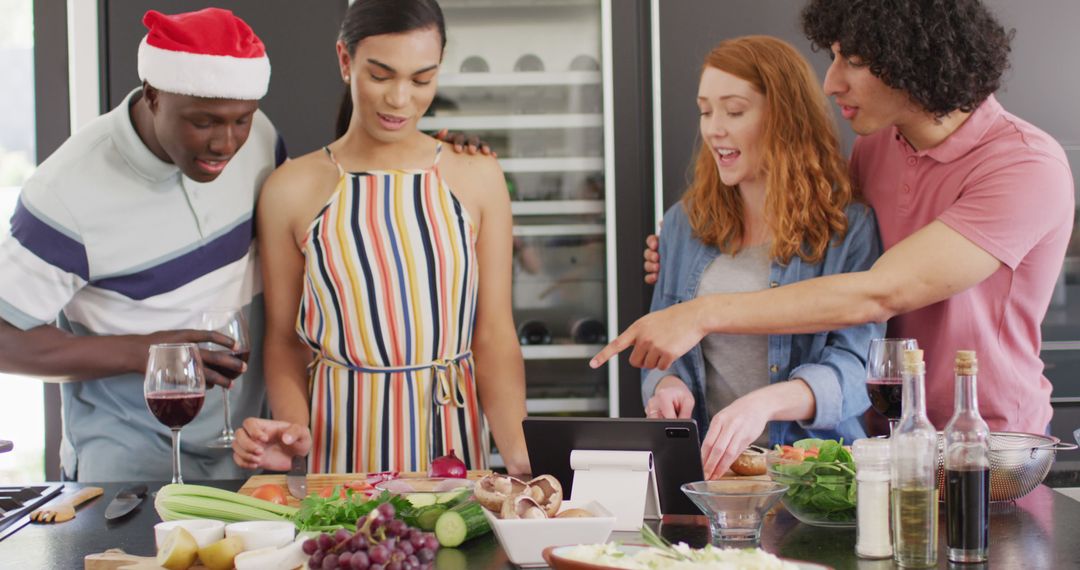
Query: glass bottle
(872, 539)
(967, 470)
(914, 472)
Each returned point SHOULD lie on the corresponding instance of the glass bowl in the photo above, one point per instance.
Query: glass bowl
(820, 494)
(422, 492)
(736, 509)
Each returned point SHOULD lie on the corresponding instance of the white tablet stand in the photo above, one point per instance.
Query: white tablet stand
(623, 481)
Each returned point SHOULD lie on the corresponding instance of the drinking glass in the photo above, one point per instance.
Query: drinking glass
(174, 388)
(883, 382)
(232, 324)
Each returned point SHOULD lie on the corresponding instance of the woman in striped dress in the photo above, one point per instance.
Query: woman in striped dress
(391, 262)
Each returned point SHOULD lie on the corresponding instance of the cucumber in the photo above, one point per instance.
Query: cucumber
(426, 517)
(465, 521)
(452, 498)
(421, 499)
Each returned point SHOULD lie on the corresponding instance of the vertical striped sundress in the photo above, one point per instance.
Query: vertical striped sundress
(388, 305)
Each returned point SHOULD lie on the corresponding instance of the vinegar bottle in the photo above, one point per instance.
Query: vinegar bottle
(967, 470)
(914, 472)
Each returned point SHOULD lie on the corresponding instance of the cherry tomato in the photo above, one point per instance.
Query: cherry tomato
(273, 493)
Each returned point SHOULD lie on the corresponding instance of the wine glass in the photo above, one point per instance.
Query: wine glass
(883, 382)
(174, 390)
(232, 324)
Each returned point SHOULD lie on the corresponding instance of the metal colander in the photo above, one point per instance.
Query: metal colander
(1018, 462)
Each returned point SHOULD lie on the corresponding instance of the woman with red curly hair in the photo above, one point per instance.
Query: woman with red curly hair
(770, 204)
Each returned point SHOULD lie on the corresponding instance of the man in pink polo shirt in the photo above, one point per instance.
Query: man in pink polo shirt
(975, 208)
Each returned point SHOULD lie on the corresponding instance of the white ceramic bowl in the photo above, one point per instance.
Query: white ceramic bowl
(260, 534)
(524, 540)
(205, 531)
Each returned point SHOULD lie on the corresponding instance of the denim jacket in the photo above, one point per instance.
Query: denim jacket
(832, 363)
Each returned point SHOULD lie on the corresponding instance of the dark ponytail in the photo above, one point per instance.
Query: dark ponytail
(366, 18)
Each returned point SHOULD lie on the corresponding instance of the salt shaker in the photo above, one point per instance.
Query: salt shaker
(872, 538)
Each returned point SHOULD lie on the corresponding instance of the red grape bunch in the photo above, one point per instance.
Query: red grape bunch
(381, 542)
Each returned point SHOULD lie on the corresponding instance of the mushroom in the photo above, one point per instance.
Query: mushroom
(522, 507)
(574, 514)
(547, 492)
(493, 490)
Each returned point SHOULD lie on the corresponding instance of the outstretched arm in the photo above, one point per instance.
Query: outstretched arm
(931, 265)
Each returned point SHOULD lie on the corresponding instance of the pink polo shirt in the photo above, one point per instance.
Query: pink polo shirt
(1006, 186)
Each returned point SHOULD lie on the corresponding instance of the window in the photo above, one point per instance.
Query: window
(21, 403)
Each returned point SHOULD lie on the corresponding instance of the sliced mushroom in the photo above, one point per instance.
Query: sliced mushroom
(493, 490)
(522, 507)
(574, 514)
(550, 493)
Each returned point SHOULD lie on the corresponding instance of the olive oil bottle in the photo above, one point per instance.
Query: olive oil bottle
(914, 472)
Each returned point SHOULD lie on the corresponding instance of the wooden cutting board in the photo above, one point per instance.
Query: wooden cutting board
(318, 481)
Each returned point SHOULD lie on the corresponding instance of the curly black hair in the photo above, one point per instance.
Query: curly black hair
(946, 55)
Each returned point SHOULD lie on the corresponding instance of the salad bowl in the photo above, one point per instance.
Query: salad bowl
(820, 475)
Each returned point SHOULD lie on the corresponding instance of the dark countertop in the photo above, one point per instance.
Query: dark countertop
(1038, 531)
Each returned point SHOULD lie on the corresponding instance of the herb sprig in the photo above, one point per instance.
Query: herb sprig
(329, 514)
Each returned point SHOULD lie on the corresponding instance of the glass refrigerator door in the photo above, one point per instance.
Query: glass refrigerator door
(526, 77)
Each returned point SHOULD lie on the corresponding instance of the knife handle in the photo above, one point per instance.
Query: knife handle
(84, 494)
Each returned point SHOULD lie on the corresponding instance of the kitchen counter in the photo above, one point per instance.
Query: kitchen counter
(1038, 531)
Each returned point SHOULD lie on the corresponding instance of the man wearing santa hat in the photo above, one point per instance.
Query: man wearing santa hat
(133, 227)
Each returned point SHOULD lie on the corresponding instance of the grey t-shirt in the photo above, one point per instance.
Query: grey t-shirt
(735, 365)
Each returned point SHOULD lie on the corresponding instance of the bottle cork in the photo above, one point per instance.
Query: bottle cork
(913, 362)
(966, 363)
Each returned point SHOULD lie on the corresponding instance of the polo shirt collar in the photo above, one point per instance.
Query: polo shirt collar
(964, 139)
(133, 149)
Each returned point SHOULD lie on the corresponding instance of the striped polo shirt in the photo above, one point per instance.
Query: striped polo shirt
(116, 241)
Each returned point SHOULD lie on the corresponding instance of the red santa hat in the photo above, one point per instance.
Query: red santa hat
(208, 53)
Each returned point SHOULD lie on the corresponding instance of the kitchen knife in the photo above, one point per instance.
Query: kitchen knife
(296, 479)
(125, 501)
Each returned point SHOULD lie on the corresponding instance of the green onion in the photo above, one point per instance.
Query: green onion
(175, 502)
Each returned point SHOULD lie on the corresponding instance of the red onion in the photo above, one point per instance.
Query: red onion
(448, 466)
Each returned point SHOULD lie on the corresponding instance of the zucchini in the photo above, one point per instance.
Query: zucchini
(421, 499)
(465, 521)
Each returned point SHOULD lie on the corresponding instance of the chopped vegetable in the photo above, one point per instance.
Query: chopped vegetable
(465, 521)
(271, 492)
(176, 502)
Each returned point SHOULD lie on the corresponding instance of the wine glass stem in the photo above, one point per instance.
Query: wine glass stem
(176, 478)
(228, 433)
(893, 422)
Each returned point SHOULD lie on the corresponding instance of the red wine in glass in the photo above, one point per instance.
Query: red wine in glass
(886, 396)
(174, 409)
(228, 372)
(174, 389)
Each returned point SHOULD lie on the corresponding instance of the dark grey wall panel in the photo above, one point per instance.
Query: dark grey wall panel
(52, 116)
(1043, 86)
(633, 178)
(688, 30)
(305, 86)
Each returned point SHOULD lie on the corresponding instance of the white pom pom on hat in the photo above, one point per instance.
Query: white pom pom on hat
(208, 53)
